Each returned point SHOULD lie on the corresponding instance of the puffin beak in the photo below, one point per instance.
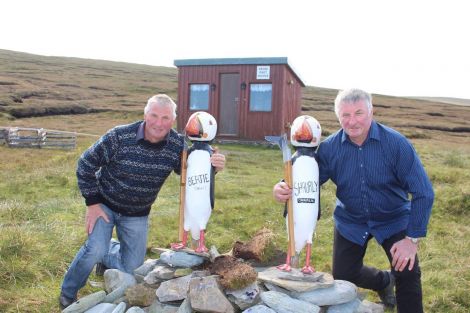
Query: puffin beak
(304, 133)
(193, 127)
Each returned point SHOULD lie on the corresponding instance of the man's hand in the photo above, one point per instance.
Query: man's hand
(94, 212)
(218, 160)
(403, 253)
(282, 192)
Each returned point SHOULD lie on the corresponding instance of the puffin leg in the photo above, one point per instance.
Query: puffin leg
(201, 247)
(180, 245)
(307, 269)
(286, 267)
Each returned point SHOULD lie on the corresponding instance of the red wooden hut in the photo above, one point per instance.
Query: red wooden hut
(249, 97)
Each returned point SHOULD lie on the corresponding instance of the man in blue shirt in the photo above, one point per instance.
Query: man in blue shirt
(374, 168)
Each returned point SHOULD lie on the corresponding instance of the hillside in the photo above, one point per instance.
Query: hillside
(35, 90)
(457, 101)
(42, 212)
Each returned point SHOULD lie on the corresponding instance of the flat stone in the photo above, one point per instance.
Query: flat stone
(296, 275)
(120, 308)
(116, 282)
(246, 297)
(102, 308)
(296, 282)
(147, 267)
(259, 309)
(348, 307)
(116, 294)
(115, 279)
(118, 300)
(158, 307)
(159, 274)
(140, 295)
(280, 302)
(181, 259)
(173, 290)
(341, 292)
(85, 303)
(273, 287)
(205, 255)
(206, 295)
(185, 307)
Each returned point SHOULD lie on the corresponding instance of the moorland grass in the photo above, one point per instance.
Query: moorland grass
(42, 221)
(42, 212)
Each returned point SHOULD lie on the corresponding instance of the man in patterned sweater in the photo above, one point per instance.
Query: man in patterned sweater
(120, 177)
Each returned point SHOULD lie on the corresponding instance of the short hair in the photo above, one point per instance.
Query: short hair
(160, 100)
(351, 96)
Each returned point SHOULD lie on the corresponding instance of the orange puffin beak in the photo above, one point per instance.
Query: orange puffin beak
(304, 133)
(193, 127)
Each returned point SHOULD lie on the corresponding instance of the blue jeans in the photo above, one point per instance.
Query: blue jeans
(125, 255)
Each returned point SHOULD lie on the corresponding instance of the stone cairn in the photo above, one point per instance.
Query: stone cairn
(184, 282)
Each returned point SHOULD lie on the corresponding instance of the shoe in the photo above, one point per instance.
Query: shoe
(100, 269)
(65, 301)
(387, 295)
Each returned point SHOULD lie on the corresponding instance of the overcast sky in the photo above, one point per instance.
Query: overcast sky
(400, 47)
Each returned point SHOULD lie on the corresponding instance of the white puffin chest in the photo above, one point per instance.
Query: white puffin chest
(305, 181)
(197, 208)
(198, 177)
(305, 199)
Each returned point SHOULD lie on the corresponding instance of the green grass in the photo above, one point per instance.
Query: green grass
(42, 221)
(42, 212)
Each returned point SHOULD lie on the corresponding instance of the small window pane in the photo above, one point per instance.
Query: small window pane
(199, 97)
(260, 97)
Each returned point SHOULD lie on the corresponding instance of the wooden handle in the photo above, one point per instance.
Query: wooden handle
(184, 167)
(290, 213)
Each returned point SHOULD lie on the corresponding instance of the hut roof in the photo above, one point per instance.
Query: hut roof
(238, 61)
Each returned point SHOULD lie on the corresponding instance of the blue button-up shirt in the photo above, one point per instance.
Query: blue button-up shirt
(374, 182)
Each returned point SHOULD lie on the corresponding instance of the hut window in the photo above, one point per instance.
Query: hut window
(199, 97)
(260, 97)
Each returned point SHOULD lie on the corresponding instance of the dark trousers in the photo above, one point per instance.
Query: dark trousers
(348, 265)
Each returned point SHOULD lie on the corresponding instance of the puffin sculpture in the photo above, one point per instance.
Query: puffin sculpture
(305, 137)
(199, 186)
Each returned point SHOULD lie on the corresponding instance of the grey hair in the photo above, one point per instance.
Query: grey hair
(160, 100)
(351, 96)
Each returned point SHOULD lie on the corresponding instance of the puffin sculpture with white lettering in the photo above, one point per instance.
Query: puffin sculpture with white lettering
(199, 193)
(305, 137)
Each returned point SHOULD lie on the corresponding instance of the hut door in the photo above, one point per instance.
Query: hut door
(229, 100)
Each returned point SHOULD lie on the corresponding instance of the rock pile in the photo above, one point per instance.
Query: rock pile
(170, 285)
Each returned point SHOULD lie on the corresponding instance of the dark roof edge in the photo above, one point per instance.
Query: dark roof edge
(230, 61)
(238, 61)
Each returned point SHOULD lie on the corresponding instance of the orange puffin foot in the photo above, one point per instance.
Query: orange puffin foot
(284, 267)
(307, 269)
(177, 246)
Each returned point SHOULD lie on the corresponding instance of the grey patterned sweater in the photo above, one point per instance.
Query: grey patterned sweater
(125, 172)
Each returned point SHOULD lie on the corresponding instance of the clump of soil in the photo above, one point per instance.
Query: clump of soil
(234, 274)
(260, 248)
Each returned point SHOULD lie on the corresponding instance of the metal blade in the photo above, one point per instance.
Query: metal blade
(281, 141)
